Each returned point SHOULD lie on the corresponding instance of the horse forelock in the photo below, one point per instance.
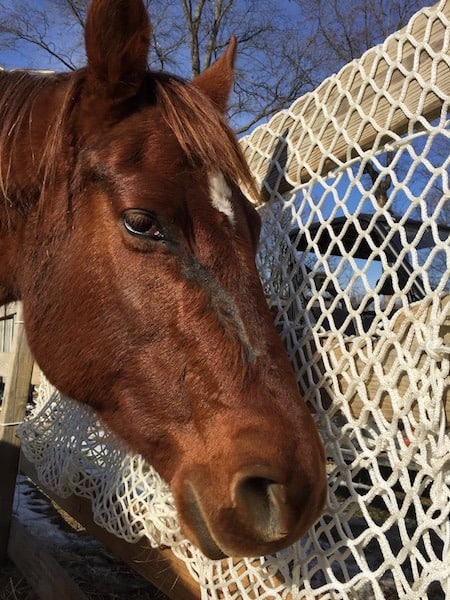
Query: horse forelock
(202, 133)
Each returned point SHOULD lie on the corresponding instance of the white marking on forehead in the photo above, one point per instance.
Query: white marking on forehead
(221, 195)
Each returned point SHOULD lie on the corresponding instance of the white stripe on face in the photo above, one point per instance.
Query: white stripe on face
(221, 195)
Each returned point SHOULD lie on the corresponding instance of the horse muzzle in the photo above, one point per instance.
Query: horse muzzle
(263, 514)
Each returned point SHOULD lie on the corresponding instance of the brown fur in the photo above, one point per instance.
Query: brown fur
(169, 340)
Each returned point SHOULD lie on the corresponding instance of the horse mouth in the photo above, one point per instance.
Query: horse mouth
(205, 542)
(258, 520)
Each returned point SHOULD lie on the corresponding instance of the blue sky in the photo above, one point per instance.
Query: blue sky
(30, 56)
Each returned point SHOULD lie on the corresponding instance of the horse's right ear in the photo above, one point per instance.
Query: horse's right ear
(117, 35)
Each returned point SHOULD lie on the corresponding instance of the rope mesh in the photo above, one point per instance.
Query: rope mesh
(355, 257)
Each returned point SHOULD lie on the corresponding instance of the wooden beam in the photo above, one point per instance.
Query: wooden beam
(4, 363)
(159, 566)
(13, 410)
(352, 360)
(321, 130)
(42, 572)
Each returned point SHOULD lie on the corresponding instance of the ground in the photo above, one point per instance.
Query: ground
(13, 585)
(98, 574)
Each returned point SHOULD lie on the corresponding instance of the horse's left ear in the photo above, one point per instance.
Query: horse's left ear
(217, 80)
(117, 35)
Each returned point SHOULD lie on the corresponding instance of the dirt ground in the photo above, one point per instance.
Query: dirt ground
(13, 585)
(98, 574)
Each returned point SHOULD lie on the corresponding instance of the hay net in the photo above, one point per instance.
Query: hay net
(355, 257)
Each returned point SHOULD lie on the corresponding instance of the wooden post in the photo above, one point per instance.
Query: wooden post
(18, 378)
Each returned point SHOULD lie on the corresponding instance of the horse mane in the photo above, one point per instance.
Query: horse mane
(203, 134)
(19, 93)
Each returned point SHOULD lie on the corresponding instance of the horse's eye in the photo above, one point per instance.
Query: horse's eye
(143, 224)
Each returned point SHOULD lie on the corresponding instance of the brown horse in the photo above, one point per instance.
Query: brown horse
(124, 232)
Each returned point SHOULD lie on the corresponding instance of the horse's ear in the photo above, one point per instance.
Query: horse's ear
(217, 80)
(117, 35)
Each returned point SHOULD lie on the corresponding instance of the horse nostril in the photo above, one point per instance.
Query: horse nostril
(263, 504)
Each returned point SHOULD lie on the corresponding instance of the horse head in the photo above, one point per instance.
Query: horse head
(142, 298)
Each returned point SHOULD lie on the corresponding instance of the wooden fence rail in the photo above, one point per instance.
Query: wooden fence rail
(18, 371)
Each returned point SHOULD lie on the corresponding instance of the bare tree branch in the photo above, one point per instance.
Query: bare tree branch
(284, 49)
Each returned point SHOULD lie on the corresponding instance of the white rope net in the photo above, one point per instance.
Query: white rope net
(355, 256)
